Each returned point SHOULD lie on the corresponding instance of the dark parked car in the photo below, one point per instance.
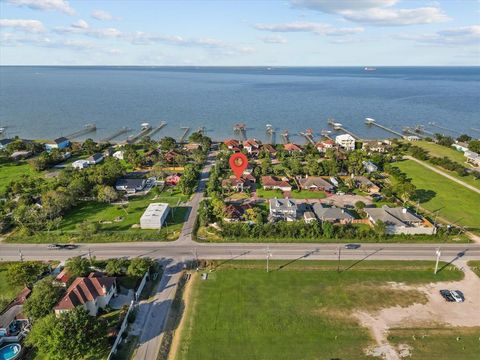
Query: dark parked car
(70, 246)
(447, 295)
(352, 246)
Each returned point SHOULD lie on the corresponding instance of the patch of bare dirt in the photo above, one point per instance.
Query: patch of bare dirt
(435, 311)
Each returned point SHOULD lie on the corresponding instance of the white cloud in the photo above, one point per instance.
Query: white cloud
(33, 26)
(466, 35)
(58, 5)
(276, 39)
(80, 24)
(376, 12)
(101, 15)
(316, 28)
(81, 27)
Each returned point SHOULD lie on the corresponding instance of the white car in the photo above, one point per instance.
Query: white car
(456, 295)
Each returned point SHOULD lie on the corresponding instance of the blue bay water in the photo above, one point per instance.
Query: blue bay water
(47, 102)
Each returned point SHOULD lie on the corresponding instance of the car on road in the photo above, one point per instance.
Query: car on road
(352, 246)
(70, 246)
(446, 294)
(457, 295)
(54, 247)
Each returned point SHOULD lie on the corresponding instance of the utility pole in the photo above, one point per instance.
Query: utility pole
(438, 253)
(269, 254)
(20, 254)
(338, 264)
(90, 255)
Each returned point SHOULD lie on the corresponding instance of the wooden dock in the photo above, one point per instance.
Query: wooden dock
(158, 128)
(186, 130)
(340, 127)
(443, 128)
(88, 128)
(116, 134)
(240, 130)
(134, 138)
(308, 135)
(370, 121)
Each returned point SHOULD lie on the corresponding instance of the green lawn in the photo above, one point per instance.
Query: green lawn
(9, 172)
(269, 194)
(453, 201)
(475, 266)
(300, 310)
(441, 151)
(106, 214)
(7, 291)
(294, 194)
(439, 343)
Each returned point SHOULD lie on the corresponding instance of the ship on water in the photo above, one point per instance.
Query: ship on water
(367, 68)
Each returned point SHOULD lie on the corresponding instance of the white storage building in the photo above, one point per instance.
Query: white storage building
(154, 216)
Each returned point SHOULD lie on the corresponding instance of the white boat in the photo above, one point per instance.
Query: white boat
(366, 68)
(145, 126)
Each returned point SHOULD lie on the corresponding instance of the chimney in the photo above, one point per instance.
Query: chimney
(404, 210)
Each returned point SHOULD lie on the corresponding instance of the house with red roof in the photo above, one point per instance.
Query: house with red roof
(173, 179)
(252, 146)
(291, 148)
(92, 293)
(273, 183)
(324, 145)
(231, 143)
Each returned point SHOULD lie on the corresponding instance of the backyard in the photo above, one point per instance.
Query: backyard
(7, 291)
(299, 309)
(294, 194)
(453, 202)
(12, 171)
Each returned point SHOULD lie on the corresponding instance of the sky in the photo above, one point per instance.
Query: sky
(240, 33)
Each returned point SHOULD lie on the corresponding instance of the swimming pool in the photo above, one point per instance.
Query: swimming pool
(10, 352)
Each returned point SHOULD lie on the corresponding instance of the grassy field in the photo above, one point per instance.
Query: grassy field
(294, 194)
(9, 172)
(441, 151)
(300, 310)
(475, 266)
(439, 343)
(7, 291)
(106, 214)
(454, 202)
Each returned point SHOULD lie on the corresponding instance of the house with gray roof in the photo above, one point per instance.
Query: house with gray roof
(283, 209)
(332, 214)
(399, 220)
(315, 183)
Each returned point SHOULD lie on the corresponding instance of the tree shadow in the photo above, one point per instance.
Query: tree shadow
(423, 196)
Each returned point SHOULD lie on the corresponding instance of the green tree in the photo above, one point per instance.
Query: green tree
(359, 205)
(116, 267)
(474, 146)
(89, 146)
(25, 272)
(42, 299)
(73, 335)
(78, 266)
(107, 194)
(87, 229)
(139, 266)
(327, 229)
(167, 143)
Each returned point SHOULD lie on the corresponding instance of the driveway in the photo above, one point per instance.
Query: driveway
(343, 200)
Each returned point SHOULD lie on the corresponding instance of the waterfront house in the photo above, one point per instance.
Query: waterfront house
(231, 143)
(21, 154)
(412, 138)
(324, 145)
(292, 148)
(270, 149)
(346, 141)
(118, 155)
(95, 158)
(252, 146)
(460, 146)
(59, 143)
(399, 220)
(472, 158)
(4, 143)
(332, 214)
(283, 209)
(315, 183)
(154, 216)
(131, 186)
(273, 183)
(92, 293)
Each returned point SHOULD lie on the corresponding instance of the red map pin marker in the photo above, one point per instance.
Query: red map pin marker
(238, 162)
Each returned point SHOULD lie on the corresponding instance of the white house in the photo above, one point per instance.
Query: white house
(118, 155)
(92, 293)
(460, 146)
(346, 141)
(369, 166)
(154, 216)
(283, 209)
(80, 164)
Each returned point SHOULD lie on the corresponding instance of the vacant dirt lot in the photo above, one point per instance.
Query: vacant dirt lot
(435, 312)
